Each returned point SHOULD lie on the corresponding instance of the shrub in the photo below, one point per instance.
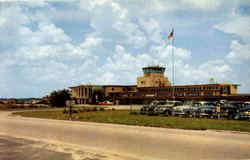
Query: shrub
(59, 98)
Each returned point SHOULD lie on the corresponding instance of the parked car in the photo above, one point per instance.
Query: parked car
(207, 111)
(243, 113)
(166, 108)
(105, 103)
(145, 108)
(228, 110)
(184, 109)
(239, 104)
(151, 110)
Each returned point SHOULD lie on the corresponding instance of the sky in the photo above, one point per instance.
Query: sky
(51, 45)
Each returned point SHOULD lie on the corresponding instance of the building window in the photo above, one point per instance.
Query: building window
(208, 94)
(194, 94)
(142, 82)
(179, 94)
(131, 89)
(112, 89)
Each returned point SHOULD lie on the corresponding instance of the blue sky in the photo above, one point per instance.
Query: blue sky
(50, 45)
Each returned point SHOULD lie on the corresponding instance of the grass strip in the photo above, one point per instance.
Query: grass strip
(124, 117)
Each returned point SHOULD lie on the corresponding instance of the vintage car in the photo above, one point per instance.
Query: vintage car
(146, 108)
(185, 109)
(238, 104)
(105, 103)
(208, 111)
(243, 113)
(166, 107)
(228, 110)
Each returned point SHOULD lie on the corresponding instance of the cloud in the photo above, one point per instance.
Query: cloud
(39, 53)
(204, 4)
(239, 25)
(166, 51)
(238, 53)
(11, 18)
(111, 21)
(217, 69)
(152, 28)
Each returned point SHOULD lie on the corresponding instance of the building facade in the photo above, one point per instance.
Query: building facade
(154, 85)
(82, 94)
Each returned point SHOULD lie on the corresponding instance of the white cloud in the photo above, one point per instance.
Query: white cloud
(11, 18)
(217, 69)
(239, 52)
(112, 21)
(41, 53)
(166, 51)
(91, 42)
(236, 24)
(152, 28)
(51, 33)
(203, 4)
(63, 50)
(127, 66)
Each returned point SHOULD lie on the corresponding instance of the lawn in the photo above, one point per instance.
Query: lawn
(124, 117)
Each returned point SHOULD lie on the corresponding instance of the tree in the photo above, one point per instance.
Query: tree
(98, 94)
(59, 98)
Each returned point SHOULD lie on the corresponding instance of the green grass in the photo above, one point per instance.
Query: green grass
(124, 117)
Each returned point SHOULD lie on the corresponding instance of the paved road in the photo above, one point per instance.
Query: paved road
(12, 148)
(132, 142)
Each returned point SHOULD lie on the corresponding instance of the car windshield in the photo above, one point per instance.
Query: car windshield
(154, 102)
(189, 103)
(170, 103)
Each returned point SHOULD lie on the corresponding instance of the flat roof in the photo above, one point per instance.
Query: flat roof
(153, 67)
(105, 86)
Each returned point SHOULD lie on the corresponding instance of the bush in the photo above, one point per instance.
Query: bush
(59, 98)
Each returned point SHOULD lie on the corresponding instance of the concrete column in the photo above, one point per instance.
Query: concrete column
(78, 92)
(87, 93)
(83, 92)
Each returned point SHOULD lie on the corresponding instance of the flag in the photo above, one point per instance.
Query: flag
(171, 35)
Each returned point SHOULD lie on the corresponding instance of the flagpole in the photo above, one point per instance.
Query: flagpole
(173, 67)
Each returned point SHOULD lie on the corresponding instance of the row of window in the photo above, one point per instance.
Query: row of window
(187, 94)
(184, 89)
(160, 70)
(176, 94)
(124, 89)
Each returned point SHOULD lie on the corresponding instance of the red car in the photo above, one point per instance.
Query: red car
(105, 103)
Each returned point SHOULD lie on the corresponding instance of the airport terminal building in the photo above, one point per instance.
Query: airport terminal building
(153, 85)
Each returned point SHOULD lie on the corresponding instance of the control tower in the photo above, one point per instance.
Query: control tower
(153, 77)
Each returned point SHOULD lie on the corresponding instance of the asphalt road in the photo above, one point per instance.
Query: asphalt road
(130, 142)
(12, 148)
